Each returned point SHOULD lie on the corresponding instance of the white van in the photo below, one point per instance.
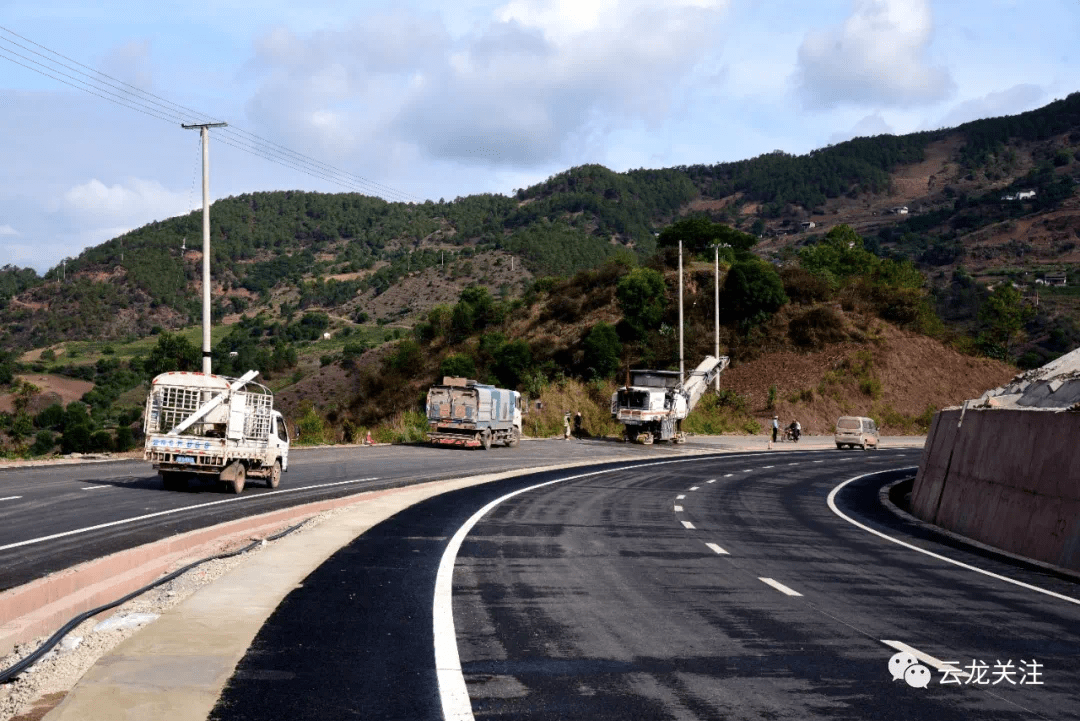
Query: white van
(856, 431)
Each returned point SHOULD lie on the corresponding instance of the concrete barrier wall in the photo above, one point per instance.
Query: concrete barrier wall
(1007, 478)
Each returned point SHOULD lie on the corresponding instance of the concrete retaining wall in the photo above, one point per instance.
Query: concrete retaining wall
(1007, 478)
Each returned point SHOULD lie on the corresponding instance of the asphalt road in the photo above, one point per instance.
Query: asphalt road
(601, 597)
(51, 516)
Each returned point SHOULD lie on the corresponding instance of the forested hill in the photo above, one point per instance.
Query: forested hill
(349, 254)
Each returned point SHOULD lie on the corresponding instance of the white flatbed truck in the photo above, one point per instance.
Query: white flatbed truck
(210, 426)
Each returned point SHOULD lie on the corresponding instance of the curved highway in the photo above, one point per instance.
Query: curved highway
(714, 588)
(55, 516)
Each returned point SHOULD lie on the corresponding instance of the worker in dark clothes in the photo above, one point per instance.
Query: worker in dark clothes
(577, 425)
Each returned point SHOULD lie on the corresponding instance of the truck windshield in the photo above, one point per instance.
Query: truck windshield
(633, 399)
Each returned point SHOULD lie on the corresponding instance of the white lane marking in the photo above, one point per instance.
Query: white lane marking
(680, 496)
(711, 481)
(171, 511)
(678, 509)
(694, 488)
(728, 475)
(817, 461)
(764, 467)
(926, 658)
(780, 587)
(687, 524)
(716, 548)
(747, 470)
(93, 488)
(794, 463)
(453, 694)
(832, 505)
(10, 498)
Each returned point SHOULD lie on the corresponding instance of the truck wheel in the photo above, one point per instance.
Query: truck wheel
(515, 438)
(485, 439)
(237, 484)
(274, 478)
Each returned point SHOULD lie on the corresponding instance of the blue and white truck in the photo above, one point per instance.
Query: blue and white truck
(463, 412)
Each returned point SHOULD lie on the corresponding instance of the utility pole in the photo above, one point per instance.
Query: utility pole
(682, 369)
(716, 294)
(204, 129)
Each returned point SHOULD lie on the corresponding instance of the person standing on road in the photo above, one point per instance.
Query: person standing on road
(577, 425)
(775, 427)
(566, 426)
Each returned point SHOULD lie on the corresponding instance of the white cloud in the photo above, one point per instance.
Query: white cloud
(519, 91)
(877, 57)
(1017, 99)
(868, 127)
(138, 201)
(8, 230)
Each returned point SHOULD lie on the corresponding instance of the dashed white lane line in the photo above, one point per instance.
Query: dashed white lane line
(794, 463)
(747, 470)
(181, 509)
(694, 488)
(831, 500)
(680, 496)
(687, 524)
(717, 549)
(713, 480)
(93, 488)
(678, 509)
(728, 475)
(780, 587)
(11, 498)
(764, 467)
(926, 658)
(818, 461)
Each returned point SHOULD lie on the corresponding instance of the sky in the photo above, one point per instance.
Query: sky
(432, 100)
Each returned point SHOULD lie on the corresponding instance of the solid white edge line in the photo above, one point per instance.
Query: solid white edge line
(832, 505)
(926, 658)
(171, 511)
(11, 498)
(779, 587)
(678, 509)
(717, 549)
(453, 693)
(688, 525)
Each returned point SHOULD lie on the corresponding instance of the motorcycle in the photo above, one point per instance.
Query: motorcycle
(792, 434)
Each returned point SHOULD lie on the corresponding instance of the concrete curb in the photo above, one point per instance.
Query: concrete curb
(176, 667)
(1031, 564)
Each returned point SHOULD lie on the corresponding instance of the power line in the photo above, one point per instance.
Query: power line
(134, 98)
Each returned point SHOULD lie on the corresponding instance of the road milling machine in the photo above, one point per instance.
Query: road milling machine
(653, 404)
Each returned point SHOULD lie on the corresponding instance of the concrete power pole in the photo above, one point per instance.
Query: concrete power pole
(682, 369)
(204, 129)
(716, 294)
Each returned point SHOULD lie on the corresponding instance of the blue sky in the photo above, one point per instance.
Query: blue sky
(439, 100)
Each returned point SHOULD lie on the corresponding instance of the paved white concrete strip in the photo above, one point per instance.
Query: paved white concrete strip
(780, 587)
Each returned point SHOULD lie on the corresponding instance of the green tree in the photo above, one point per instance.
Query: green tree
(1004, 316)
(459, 365)
(753, 291)
(603, 351)
(512, 361)
(839, 254)
(173, 352)
(641, 296)
(697, 233)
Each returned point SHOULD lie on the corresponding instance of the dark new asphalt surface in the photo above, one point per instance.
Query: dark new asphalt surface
(68, 501)
(593, 599)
